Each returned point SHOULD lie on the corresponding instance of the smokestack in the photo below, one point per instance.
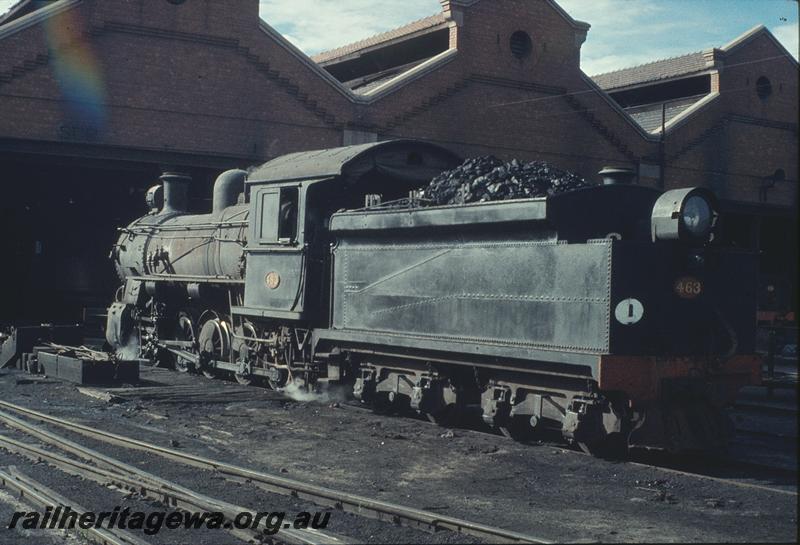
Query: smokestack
(227, 189)
(176, 192)
(614, 175)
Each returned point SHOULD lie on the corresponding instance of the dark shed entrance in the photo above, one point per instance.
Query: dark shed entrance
(59, 215)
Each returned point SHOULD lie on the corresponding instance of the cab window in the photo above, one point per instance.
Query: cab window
(287, 216)
(277, 210)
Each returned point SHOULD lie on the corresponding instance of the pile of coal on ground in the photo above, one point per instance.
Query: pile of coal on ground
(483, 179)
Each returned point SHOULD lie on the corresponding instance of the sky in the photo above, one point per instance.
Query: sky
(624, 32)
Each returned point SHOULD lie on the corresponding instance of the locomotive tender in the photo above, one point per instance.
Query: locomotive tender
(606, 313)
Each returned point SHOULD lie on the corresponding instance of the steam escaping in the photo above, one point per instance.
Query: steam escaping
(129, 352)
(298, 393)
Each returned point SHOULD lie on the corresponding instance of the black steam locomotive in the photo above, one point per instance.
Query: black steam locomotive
(606, 313)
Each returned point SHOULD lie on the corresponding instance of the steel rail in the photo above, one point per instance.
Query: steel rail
(42, 497)
(161, 491)
(166, 492)
(693, 474)
(104, 477)
(344, 501)
(740, 484)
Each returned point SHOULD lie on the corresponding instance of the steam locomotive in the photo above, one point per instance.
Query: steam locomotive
(607, 313)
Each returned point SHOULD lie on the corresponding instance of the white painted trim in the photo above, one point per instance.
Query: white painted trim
(306, 60)
(581, 25)
(753, 33)
(739, 40)
(434, 63)
(376, 94)
(36, 17)
(682, 117)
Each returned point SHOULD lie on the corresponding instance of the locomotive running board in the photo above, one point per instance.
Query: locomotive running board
(402, 343)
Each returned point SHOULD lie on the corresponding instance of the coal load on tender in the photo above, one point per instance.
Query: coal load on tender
(488, 178)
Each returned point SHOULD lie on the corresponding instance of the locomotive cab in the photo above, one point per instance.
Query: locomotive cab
(291, 201)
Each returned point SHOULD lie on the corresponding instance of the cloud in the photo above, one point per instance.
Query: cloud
(624, 32)
(5, 5)
(628, 32)
(787, 35)
(319, 25)
(631, 32)
(620, 14)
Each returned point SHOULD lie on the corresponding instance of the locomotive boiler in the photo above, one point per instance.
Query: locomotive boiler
(607, 313)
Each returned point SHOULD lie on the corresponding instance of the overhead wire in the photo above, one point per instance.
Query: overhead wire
(559, 96)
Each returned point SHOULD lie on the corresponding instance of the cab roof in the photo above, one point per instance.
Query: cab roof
(405, 160)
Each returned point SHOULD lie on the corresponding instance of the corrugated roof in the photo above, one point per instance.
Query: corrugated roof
(367, 83)
(363, 87)
(405, 30)
(653, 71)
(649, 115)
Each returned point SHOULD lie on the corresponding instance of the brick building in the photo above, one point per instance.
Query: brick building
(729, 120)
(98, 97)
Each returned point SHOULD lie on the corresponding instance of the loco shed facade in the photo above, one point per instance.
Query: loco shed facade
(97, 98)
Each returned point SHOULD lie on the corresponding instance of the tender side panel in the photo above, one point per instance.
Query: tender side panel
(524, 293)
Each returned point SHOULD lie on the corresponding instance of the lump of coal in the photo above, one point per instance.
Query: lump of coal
(482, 179)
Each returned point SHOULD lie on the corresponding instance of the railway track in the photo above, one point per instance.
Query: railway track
(695, 469)
(106, 470)
(706, 469)
(40, 497)
(343, 501)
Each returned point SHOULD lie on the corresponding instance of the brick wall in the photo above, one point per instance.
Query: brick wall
(732, 145)
(489, 101)
(205, 78)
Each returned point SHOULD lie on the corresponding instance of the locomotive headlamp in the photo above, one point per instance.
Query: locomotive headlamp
(684, 214)
(697, 216)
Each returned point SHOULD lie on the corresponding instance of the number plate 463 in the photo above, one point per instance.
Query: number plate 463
(688, 287)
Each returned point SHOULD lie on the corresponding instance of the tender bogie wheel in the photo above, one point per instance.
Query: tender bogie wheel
(518, 429)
